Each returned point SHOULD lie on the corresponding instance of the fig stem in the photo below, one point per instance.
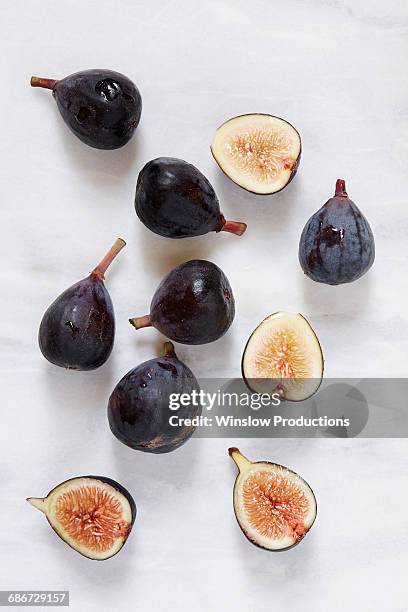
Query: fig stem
(41, 82)
(234, 227)
(341, 189)
(37, 502)
(241, 462)
(139, 322)
(104, 264)
(168, 348)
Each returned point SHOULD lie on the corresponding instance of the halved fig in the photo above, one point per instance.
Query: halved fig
(273, 505)
(92, 514)
(259, 152)
(283, 355)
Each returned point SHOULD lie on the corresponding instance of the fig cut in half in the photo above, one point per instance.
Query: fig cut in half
(283, 355)
(92, 514)
(274, 506)
(259, 152)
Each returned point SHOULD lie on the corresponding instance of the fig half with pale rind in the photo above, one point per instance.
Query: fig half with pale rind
(259, 152)
(274, 506)
(94, 515)
(283, 355)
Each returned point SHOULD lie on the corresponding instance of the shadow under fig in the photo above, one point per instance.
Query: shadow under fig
(167, 253)
(352, 299)
(73, 391)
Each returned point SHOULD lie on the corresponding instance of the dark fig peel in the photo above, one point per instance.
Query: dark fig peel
(174, 199)
(77, 330)
(139, 407)
(193, 304)
(101, 107)
(337, 244)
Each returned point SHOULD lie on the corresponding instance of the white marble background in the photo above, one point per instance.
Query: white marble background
(336, 70)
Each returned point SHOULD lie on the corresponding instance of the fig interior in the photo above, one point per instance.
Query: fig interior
(274, 506)
(92, 514)
(283, 355)
(259, 152)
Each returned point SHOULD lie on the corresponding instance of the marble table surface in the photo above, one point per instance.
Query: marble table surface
(335, 69)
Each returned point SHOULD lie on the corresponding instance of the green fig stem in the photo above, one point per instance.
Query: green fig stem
(168, 348)
(341, 189)
(104, 264)
(234, 227)
(37, 502)
(240, 461)
(139, 322)
(41, 82)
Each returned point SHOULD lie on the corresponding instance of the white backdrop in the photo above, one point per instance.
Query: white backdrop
(333, 68)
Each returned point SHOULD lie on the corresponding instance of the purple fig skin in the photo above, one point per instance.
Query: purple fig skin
(174, 199)
(337, 244)
(138, 409)
(101, 107)
(78, 329)
(193, 304)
